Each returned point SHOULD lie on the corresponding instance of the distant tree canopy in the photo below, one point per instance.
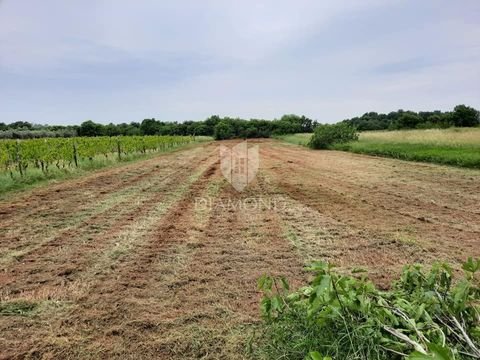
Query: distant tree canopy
(461, 116)
(26, 130)
(219, 127)
(227, 127)
(89, 128)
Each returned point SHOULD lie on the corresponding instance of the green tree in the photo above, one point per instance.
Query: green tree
(20, 125)
(409, 120)
(89, 128)
(112, 130)
(150, 127)
(211, 122)
(223, 130)
(464, 116)
(200, 129)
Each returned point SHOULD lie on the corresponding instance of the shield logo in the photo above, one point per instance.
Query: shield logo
(239, 164)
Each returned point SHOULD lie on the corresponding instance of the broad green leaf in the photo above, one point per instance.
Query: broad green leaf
(285, 284)
(324, 285)
(437, 352)
(315, 355)
(277, 303)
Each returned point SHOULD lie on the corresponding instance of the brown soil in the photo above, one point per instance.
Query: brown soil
(127, 263)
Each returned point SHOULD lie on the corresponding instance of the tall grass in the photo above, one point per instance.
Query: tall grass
(441, 137)
(297, 139)
(454, 146)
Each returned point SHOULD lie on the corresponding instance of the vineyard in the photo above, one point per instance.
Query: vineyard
(17, 156)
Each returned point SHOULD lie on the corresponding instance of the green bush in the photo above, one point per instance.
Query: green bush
(425, 315)
(328, 135)
(223, 130)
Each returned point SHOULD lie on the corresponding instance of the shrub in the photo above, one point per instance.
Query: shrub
(223, 130)
(423, 316)
(328, 135)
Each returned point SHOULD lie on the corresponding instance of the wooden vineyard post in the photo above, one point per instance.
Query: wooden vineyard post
(75, 153)
(119, 150)
(18, 157)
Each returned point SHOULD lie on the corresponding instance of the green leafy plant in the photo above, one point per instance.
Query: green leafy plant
(425, 315)
(327, 135)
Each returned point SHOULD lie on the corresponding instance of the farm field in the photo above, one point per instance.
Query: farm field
(160, 258)
(28, 162)
(454, 146)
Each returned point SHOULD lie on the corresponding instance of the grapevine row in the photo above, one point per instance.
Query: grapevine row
(19, 155)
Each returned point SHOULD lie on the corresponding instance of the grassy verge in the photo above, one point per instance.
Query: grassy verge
(35, 177)
(463, 156)
(455, 146)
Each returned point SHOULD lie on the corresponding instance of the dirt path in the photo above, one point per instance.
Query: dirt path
(128, 263)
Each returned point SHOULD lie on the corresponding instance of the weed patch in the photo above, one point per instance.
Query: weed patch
(17, 308)
(425, 315)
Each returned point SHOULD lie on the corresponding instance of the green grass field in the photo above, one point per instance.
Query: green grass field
(454, 146)
(297, 139)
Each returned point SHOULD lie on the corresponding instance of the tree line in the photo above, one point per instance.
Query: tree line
(216, 126)
(227, 127)
(461, 116)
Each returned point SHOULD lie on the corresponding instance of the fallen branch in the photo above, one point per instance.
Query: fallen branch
(466, 337)
(406, 339)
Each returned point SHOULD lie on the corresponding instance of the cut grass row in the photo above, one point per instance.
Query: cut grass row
(455, 146)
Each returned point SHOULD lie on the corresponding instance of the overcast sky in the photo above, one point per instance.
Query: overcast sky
(62, 62)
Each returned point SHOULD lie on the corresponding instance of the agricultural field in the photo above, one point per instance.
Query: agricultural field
(160, 257)
(27, 162)
(454, 146)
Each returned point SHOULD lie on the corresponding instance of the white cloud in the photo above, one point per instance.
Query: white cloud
(119, 60)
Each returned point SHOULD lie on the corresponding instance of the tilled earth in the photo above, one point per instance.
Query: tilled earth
(160, 258)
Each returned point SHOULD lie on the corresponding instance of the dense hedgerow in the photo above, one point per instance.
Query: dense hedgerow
(235, 128)
(425, 315)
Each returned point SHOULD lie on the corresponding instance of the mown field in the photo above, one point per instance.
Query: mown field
(455, 146)
(160, 258)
